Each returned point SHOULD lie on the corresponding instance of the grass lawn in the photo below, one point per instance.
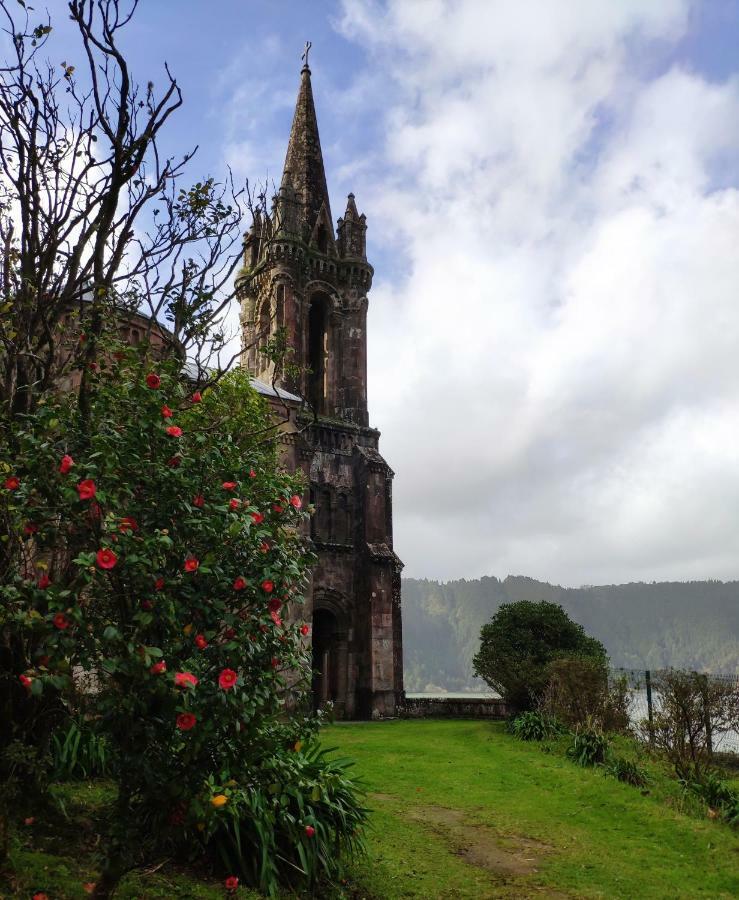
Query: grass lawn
(460, 810)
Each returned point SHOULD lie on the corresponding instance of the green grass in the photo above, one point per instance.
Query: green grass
(588, 835)
(460, 810)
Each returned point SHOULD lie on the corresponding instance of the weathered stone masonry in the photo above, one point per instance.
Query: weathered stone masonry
(301, 276)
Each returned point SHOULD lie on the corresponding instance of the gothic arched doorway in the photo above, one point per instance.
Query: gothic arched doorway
(324, 657)
(330, 660)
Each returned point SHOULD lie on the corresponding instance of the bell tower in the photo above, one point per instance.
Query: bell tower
(307, 283)
(301, 276)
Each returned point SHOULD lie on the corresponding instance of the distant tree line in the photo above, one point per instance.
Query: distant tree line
(685, 625)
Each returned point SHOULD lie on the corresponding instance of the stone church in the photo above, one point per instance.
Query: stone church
(302, 276)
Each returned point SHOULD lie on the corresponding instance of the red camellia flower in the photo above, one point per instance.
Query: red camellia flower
(153, 381)
(310, 831)
(159, 584)
(186, 721)
(257, 518)
(29, 820)
(30, 528)
(191, 564)
(264, 547)
(252, 473)
(60, 621)
(25, 681)
(106, 559)
(275, 662)
(40, 895)
(158, 667)
(200, 642)
(183, 679)
(296, 501)
(128, 523)
(274, 604)
(304, 630)
(232, 883)
(268, 586)
(275, 618)
(239, 583)
(12, 483)
(174, 431)
(166, 412)
(174, 461)
(44, 581)
(227, 679)
(86, 489)
(147, 605)
(198, 500)
(230, 634)
(277, 508)
(228, 485)
(66, 464)
(234, 503)
(196, 397)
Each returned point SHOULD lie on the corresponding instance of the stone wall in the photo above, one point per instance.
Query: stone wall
(453, 708)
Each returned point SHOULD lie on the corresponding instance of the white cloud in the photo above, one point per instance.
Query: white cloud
(555, 378)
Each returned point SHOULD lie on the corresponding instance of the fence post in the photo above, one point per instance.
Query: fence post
(650, 713)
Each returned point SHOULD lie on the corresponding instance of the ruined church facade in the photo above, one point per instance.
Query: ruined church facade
(306, 281)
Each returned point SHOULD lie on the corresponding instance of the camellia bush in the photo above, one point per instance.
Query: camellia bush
(154, 567)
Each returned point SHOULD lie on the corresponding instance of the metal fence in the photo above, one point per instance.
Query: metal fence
(645, 701)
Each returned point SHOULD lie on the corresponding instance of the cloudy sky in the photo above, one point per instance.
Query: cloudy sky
(551, 193)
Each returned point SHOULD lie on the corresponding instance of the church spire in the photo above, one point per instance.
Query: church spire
(304, 172)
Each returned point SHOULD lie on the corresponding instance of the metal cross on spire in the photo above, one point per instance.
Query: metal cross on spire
(304, 57)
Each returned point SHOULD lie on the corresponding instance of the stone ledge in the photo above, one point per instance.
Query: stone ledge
(452, 708)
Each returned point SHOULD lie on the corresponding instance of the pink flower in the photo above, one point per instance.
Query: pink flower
(184, 679)
(232, 883)
(66, 464)
(200, 642)
(153, 381)
(227, 679)
(86, 489)
(191, 564)
(60, 621)
(196, 397)
(25, 681)
(166, 412)
(296, 501)
(158, 667)
(199, 501)
(275, 618)
(228, 485)
(106, 559)
(174, 431)
(257, 518)
(186, 721)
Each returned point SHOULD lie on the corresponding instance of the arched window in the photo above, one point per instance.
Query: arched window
(264, 329)
(318, 352)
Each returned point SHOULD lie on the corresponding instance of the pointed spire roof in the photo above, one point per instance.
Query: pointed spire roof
(304, 170)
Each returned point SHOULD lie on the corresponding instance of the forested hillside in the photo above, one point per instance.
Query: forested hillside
(682, 624)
